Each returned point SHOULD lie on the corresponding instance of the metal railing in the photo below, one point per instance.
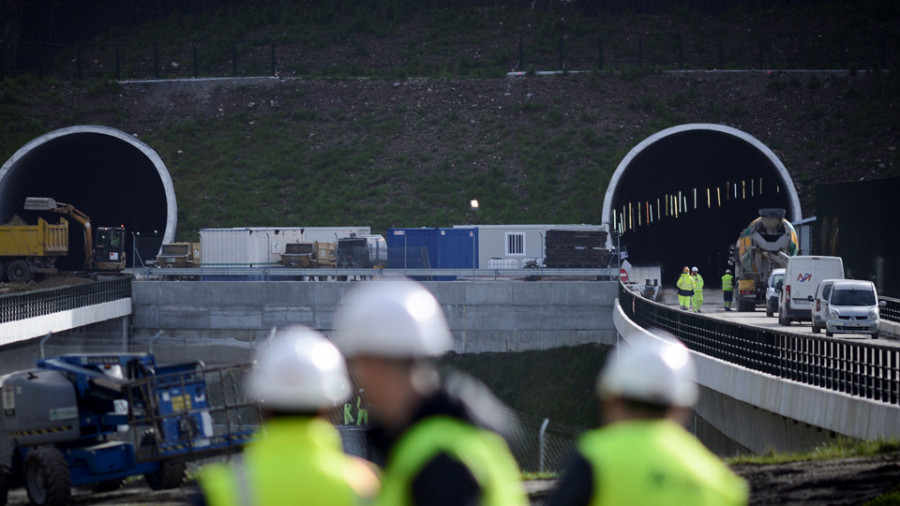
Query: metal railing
(861, 369)
(276, 273)
(891, 311)
(53, 300)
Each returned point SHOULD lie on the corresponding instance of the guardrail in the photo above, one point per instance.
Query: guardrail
(856, 368)
(53, 300)
(335, 274)
(891, 311)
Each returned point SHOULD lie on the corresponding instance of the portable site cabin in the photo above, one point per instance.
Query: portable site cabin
(514, 246)
(262, 246)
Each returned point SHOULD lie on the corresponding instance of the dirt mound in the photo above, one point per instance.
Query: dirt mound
(50, 282)
(841, 481)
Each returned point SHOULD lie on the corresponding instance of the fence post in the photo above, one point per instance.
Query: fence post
(679, 50)
(156, 60)
(599, 52)
(559, 60)
(762, 53)
(234, 59)
(196, 65)
(274, 62)
(721, 53)
(520, 65)
(541, 443)
(118, 63)
(640, 50)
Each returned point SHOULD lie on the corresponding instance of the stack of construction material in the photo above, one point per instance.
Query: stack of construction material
(576, 248)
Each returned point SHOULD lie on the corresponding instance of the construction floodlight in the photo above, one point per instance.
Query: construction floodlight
(39, 204)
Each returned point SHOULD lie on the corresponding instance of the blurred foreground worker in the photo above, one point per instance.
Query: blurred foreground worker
(643, 455)
(685, 286)
(297, 457)
(697, 300)
(439, 436)
(727, 288)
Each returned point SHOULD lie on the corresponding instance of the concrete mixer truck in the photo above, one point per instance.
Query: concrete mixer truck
(764, 245)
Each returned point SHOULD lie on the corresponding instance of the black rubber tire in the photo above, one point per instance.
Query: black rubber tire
(3, 278)
(782, 320)
(18, 271)
(816, 329)
(171, 473)
(769, 311)
(4, 488)
(875, 335)
(47, 477)
(829, 334)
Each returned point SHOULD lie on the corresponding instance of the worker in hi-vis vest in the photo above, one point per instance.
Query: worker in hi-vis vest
(697, 299)
(439, 433)
(685, 286)
(727, 289)
(296, 458)
(643, 454)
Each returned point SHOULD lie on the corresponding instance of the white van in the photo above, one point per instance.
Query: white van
(847, 306)
(801, 277)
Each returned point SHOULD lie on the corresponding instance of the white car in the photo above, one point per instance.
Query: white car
(771, 293)
(850, 307)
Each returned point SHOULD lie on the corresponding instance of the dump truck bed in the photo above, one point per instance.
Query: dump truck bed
(38, 240)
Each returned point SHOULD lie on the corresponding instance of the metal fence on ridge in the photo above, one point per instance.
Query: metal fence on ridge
(53, 300)
(564, 50)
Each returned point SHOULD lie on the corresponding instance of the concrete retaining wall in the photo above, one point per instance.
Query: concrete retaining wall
(484, 316)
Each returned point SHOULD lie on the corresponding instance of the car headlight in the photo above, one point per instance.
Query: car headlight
(834, 313)
(873, 314)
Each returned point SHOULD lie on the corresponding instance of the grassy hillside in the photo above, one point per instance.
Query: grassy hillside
(321, 146)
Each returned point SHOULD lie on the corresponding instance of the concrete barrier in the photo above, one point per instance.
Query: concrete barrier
(485, 316)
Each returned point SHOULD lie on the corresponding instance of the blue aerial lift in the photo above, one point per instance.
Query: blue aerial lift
(96, 419)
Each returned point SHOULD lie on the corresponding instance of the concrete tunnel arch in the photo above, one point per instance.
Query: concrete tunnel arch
(685, 158)
(108, 174)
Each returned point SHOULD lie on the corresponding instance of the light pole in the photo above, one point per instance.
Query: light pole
(473, 206)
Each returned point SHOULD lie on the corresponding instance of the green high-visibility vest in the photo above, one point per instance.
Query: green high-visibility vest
(698, 283)
(685, 282)
(727, 282)
(657, 462)
(294, 461)
(484, 453)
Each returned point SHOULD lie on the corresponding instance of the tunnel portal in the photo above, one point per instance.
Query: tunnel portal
(109, 175)
(682, 196)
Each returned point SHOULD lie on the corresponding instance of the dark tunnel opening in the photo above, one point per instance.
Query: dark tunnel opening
(110, 178)
(721, 181)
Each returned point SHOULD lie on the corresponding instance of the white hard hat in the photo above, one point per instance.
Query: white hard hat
(391, 319)
(695, 269)
(299, 369)
(654, 371)
(727, 271)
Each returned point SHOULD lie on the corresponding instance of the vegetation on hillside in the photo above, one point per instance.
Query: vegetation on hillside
(438, 125)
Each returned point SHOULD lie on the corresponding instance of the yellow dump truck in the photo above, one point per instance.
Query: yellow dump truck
(179, 254)
(305, 255)
(26, 250)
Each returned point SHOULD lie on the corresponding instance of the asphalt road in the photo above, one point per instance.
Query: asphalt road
(713, 307)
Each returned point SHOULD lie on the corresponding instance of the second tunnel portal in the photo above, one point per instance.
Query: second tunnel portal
(681, 197)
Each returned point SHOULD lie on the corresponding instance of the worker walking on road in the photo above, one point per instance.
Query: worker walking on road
(685, 286)
(643, 454)
(697, 300)
(438, 433)
(727, 288)
(297, 456)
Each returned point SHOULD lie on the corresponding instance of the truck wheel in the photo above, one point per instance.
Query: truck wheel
(4, 488)
(782, 320)
(815, 328)
(18, 271)
(171, 472)
(47, 477)
(829, 334)
(769, 312)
